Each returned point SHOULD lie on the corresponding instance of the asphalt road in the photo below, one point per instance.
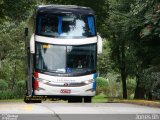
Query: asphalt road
(77, 111)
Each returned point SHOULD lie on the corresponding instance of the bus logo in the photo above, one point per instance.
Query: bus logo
(65, 84)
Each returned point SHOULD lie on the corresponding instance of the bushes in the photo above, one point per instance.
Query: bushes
(150, 80)
(3, 85)
(17, 92)
(102, 85)
(20, 86)
(131, 85)
(110, 87)
(9, 95)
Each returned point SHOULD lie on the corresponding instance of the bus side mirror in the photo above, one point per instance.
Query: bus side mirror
(26, 31)
(32, 44)
(99, 44)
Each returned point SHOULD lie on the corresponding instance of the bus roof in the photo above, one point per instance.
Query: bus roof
(64, 9)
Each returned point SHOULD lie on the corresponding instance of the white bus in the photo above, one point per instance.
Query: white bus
(62, 54)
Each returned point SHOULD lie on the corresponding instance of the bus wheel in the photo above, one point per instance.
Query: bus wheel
(32, 101)
(87, 99)
(75, 100)
(27, 100)
(36, 101)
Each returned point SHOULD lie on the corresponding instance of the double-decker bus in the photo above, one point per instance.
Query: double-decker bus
(62, 53)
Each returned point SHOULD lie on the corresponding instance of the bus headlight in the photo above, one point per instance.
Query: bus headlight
(88, 81)
(42, 80)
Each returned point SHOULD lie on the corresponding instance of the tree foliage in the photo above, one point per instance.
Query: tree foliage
(132, 30)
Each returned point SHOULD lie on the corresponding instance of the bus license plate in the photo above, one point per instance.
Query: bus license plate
(65, 91)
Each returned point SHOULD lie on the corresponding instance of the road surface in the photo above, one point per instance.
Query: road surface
(77, 111)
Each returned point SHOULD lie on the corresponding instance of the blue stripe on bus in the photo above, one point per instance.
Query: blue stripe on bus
(91, 25)
(95, 76)
(94, 83)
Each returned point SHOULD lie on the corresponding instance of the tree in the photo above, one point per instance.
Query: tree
(12, 22)
(147, 45)
(118, 37)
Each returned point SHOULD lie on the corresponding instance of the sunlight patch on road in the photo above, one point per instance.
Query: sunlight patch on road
(28, 107)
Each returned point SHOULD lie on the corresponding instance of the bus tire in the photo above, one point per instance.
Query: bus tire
(36, 101)
(32, 101)
(75, 100)
(87, 99)
(26, 100)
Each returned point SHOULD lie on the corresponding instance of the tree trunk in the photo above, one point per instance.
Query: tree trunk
(150, 97)
(0, 64)
(122, 67)
(123, 77)
(123, 71)
(139, 92)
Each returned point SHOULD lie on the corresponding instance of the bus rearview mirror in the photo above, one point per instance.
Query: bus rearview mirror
(99, 45)
(32, 44)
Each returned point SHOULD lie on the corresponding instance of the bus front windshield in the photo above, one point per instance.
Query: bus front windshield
(65, 59)
(66, 25)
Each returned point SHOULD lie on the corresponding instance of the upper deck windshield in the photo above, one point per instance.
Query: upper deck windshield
(66, 25)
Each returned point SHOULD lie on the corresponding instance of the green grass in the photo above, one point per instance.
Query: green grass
(101, 98)
(142, 102)
(12, 100)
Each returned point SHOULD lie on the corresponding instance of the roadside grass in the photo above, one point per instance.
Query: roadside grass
(100, 98)
(12, 100)
(142, 102)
